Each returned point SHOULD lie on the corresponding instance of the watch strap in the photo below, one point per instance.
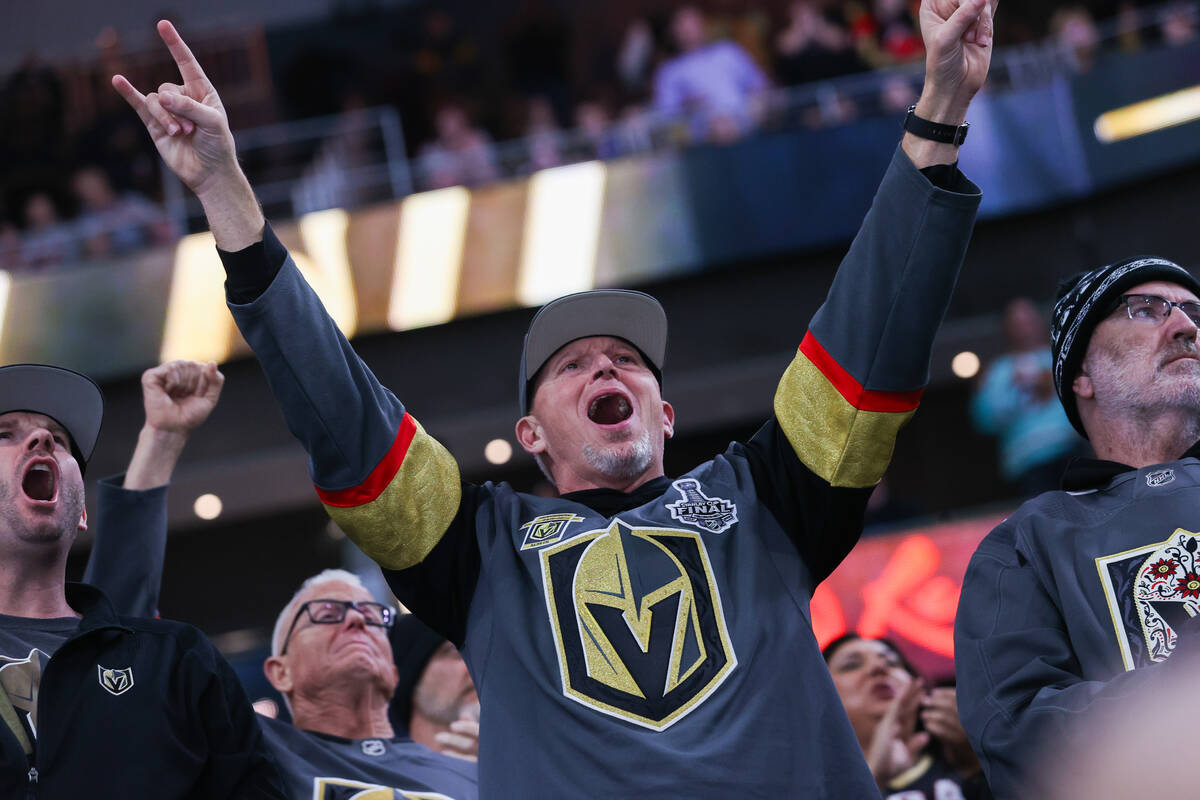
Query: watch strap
(934, 131)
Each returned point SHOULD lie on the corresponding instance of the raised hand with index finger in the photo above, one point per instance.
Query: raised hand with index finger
(186, 121)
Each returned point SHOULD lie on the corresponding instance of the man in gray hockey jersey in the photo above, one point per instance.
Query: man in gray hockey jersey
(1081, 597)
(636, 634)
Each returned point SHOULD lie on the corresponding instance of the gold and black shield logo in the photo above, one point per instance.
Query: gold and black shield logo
(637, 621)
(116, 681)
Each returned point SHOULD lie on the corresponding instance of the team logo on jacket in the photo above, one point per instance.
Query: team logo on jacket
(546, 529)
(713, 514)
(115, 681)
(637, 622)
(1151, 591)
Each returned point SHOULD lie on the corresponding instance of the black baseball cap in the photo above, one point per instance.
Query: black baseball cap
(71, 399)
(625, 314)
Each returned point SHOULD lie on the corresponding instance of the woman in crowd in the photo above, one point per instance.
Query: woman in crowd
(910, 735)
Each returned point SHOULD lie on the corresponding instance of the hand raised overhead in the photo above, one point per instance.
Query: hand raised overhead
(958, 45)
(187, 122)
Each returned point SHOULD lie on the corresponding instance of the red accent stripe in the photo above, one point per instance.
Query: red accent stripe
(380, 477)
(852, 390)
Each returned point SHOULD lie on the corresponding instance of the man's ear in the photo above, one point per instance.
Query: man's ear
(83, 520)
(1082, 386)
(668, 420)
(277, 672)
(530, 435)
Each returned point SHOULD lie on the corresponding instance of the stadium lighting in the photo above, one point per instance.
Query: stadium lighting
(965, 364)
(207, 506)
(498, 451)
(1147, 116)
(429, 254)
(562, 231)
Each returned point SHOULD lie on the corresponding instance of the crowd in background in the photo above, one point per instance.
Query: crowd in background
(80, 180)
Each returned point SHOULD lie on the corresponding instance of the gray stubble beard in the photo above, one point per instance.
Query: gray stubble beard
(624, 463)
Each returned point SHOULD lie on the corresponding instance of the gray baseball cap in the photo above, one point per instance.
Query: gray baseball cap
(69, 398)
(633, 316)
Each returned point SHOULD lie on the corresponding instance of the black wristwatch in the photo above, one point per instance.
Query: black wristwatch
(934, 131)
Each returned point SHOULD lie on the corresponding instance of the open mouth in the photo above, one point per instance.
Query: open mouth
(40, 483)
(610, 409)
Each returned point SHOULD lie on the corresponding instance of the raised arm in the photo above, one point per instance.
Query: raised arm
(862, 365)
(189, 127)
(388, 484)
(131, 539)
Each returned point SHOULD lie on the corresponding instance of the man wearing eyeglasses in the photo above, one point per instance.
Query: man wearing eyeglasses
(332, 662)
(1081, 597)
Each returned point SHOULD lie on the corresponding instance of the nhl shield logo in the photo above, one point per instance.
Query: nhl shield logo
(373, 747)
(115, 681)
(713, 514)
(1160, 477)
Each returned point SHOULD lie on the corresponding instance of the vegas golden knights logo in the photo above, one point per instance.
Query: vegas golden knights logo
(637, 622)
(116, 681)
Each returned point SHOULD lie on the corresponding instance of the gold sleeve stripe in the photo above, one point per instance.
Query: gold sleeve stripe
(407, 519)
(841, 444)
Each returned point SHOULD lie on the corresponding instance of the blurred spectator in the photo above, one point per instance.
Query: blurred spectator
(110, 139)
(714, 85)
(543, 138)
(47, 241)
(434, 693)
(461, 154)
(912, 738)
(1015, 401)
(114, 224)
(1076, 36)
(887, 34)
(637, 55)
(1178, 23)
(594, 124)
(813, 47)
(746, 24)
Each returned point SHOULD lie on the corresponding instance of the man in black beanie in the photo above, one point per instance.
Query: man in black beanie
(1082, 596)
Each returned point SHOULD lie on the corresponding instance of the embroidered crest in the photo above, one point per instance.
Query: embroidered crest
(115, 681)
(546, 529)
(713, 514)
(637, 621)
(373, 747)
(1160, 477)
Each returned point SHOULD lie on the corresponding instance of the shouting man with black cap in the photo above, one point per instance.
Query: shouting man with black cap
(96, 704)
(1081, 596)
(635, 635)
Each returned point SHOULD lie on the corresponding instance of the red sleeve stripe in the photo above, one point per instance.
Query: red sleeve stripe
(380, 477)
(852, 390)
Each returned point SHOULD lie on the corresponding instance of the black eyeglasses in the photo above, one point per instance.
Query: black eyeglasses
(332, 612)
(1155, 309)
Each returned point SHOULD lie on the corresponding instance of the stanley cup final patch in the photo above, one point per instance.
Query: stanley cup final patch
(115, 681)
(713, 514)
